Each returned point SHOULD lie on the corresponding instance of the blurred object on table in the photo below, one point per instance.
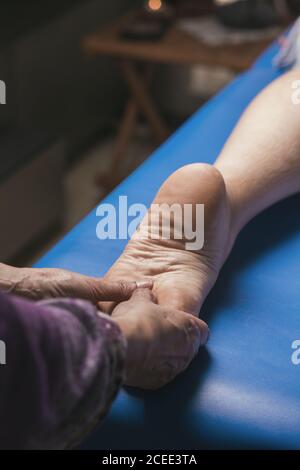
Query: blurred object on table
(210, 31)
(252, 14)
(205, 68)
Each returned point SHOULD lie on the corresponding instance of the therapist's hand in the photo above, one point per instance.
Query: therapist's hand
(40, 284)
(161, 341)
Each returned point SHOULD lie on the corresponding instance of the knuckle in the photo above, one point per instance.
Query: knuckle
(95, 291)
(123, 288)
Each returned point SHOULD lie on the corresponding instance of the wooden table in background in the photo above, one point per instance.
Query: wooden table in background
(137, 59)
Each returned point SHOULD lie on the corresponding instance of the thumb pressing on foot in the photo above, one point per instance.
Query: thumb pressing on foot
(110, 294)
(142, 294)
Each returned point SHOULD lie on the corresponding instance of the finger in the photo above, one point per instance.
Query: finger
(198, 330)
(140, 299)
(204, 330)
(117, 291)
(107, 307)
(172, 294)
(114, 291)
(143, 294)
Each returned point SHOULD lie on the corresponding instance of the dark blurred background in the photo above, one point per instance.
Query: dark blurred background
(64, 106)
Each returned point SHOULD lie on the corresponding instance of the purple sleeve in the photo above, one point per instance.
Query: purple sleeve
(64, 365)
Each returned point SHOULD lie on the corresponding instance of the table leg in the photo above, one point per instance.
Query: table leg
(113, 177)
(139, 101)
(125, 132)
(138, 89)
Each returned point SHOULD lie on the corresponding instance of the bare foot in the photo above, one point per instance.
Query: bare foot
(182, 278)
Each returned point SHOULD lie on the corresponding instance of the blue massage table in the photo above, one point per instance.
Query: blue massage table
(243, 390)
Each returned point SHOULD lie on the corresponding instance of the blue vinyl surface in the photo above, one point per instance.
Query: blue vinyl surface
(243, 390)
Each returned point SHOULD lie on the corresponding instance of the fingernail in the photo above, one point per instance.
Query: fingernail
(205, 333)
(144, 284)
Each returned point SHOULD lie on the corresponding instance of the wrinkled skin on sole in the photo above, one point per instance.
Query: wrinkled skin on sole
(182, 278)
